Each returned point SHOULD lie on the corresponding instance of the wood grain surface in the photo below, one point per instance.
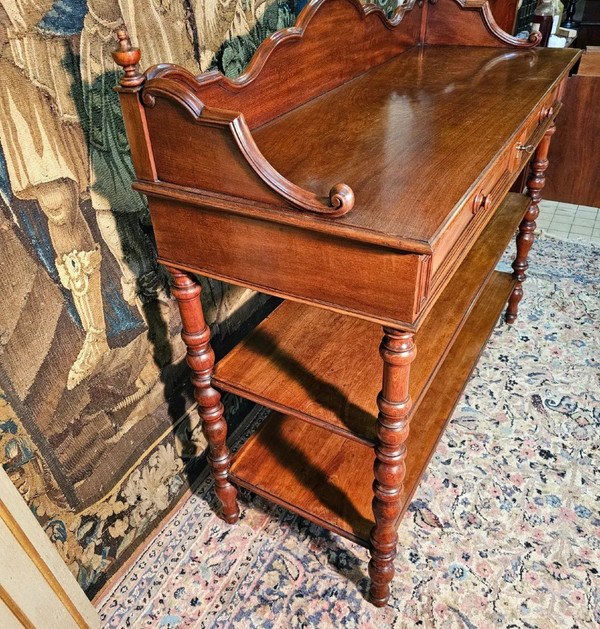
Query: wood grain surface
(414, 136)
(325, 367)
(327, 478)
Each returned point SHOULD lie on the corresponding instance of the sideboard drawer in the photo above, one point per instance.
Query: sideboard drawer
(472, 217)
(534, 129)
(483, 200)
(378, 283)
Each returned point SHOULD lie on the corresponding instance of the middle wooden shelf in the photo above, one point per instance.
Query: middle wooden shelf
(325, 367)
(326, 477)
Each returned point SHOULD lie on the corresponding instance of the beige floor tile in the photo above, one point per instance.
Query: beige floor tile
(581, 230)
(586, 222)
(563, 216)
(588, 217)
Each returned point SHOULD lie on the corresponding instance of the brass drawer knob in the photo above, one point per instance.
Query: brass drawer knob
(528, 148)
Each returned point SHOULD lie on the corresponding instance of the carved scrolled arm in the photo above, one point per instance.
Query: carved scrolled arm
(179, 86)
(487, 18)
(341, 197)
(535, 38)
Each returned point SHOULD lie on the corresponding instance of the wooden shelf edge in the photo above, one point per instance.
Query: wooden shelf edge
(305, 513)
(277, 474)
(281, 408)
(264, 211)
(516, 206)
(230, 387)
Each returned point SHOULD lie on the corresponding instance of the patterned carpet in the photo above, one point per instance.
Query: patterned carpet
(504, 530)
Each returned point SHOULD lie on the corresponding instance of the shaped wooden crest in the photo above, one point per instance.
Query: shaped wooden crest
(195, 133)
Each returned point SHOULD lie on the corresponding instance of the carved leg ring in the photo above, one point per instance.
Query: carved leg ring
(525, 237)
(397, 351)
(201, 359)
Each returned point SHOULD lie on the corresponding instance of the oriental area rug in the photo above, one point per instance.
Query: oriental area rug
(504, 530)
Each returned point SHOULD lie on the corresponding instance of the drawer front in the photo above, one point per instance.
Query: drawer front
(375, 283)
(454, 243)
(534, 129)
(499, 178)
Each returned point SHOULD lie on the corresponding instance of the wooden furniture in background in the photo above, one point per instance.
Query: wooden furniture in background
(360, 168)
(574, 171)
(587, 23)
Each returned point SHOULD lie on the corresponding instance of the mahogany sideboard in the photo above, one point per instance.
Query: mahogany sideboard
(360, 168)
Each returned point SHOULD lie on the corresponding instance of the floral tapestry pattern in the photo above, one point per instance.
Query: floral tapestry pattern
(94, 422)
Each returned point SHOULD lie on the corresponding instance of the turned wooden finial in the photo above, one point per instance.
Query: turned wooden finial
(128, 57)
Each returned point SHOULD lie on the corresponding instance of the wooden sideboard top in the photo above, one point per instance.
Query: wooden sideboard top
(350, 123)
(413, 137)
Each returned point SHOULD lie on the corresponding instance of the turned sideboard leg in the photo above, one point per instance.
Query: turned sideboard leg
(201, 359)
(398, 351)
(525, 237)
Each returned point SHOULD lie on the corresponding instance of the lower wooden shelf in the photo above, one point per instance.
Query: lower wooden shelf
(326, 477)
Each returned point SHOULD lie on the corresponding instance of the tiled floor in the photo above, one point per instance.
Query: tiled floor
(566, 220)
